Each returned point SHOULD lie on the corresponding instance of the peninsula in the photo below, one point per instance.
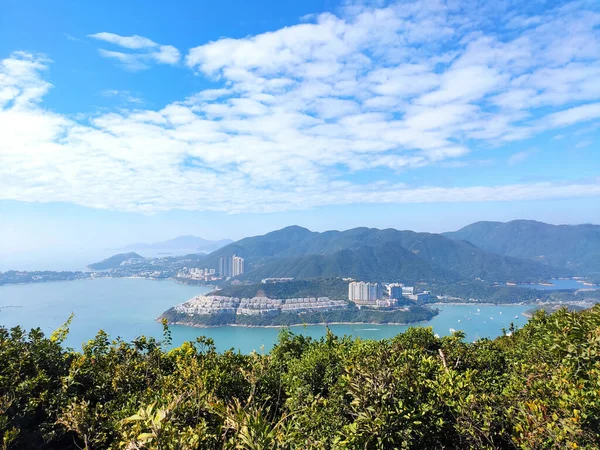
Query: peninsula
(215, 310)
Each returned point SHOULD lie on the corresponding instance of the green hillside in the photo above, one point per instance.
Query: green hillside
(534, 388)
(114, 261)
(575, 247)
(383, 262)
(373, 254)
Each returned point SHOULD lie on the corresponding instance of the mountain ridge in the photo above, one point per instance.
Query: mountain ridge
(298, 252)
(574, 247)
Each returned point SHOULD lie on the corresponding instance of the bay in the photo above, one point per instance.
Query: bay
(128, 307)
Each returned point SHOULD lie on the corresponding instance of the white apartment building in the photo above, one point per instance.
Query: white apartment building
(364, 293)
(238, 266)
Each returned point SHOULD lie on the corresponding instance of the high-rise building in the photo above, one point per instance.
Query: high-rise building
(231, 266)
(364, 293)
(238, 266)
(224, 266)
(392, 285)
(396, 292)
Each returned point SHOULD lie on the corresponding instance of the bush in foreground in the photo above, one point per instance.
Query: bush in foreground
(534, 388)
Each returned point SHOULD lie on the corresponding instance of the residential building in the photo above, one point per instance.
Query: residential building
(231, 266)
(390, 286)
(364, 293)
(276, 280)
(395, 292)
(238, 266)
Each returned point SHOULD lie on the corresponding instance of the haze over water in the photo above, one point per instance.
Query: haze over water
(127, 307)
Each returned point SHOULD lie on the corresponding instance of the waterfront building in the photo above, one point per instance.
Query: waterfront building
(408, 290)
(386, 302)
(391, 286)
(395, 292)
(364, 293)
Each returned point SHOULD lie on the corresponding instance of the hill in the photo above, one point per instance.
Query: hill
(373, 254)
(382, 262)
(114, 261)
(574, 247)
(180, 245)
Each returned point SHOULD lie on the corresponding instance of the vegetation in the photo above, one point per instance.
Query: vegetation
(479, 291)
(350, 315)
(376, 255)
(575, 247)
(534, 388)
(114, 261)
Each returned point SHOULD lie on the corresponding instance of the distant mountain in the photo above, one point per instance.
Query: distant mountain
(114, 261)
(374, 254)
(575, 247)
(383, 262)
(178, 246)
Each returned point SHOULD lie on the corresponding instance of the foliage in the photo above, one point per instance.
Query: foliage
(533, 388)
(114, 261)
(479, 291)
(576, 247)
(376, 255)
(349, 315)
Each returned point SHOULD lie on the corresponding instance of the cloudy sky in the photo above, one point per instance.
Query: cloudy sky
(223, 119)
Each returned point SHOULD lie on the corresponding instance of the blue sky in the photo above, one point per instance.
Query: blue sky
(121, 122)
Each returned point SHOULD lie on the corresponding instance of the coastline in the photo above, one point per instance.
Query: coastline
(186, 324)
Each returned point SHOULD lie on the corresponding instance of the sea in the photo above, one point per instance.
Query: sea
(128, 308)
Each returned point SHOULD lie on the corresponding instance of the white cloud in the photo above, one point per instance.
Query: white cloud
(300, 111)
(519, 157)
(125, 96)
(574, 115)
(132, 42)
(149, 52)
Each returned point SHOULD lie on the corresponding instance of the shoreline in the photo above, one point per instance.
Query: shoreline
(185, 324)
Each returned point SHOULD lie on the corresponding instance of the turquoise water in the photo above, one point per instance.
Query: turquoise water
(560, 284)
(127, 307)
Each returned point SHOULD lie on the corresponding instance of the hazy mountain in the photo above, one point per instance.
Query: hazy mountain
(178, 246)
(576, 247)
(114, 261)
(371, 253)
